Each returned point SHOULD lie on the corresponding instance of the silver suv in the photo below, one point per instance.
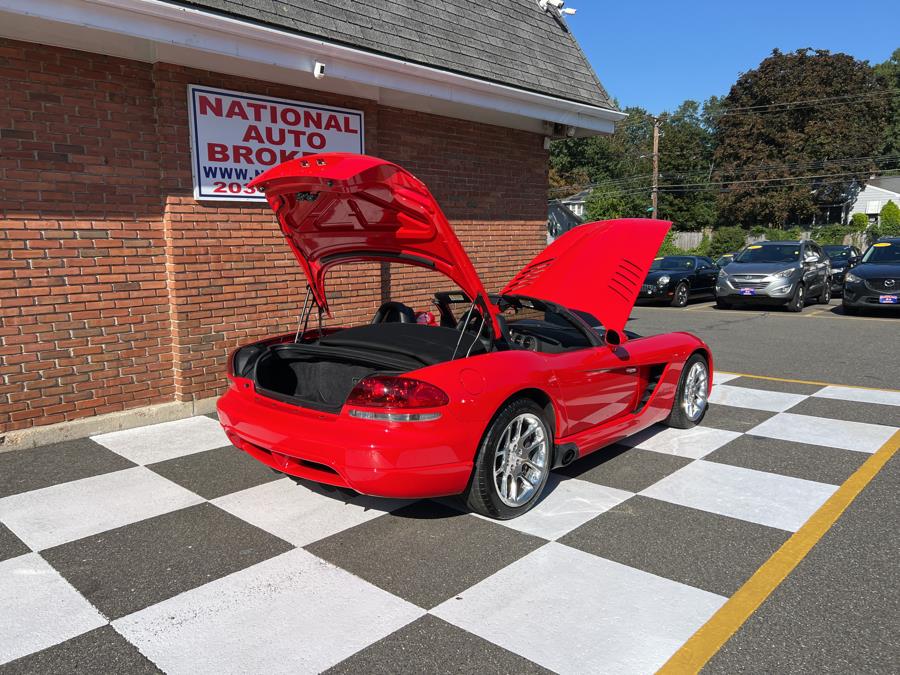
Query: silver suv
(776, 273)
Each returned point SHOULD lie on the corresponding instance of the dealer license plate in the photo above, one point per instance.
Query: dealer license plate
(888, 299)
(748, 291)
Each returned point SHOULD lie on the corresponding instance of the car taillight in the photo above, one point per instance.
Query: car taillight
(381, 391)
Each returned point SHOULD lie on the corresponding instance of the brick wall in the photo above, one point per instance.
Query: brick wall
(118, 290)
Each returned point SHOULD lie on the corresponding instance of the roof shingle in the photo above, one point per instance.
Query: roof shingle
(511, 42)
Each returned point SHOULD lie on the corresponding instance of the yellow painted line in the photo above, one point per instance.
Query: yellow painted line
(703, 644)
(813, 382)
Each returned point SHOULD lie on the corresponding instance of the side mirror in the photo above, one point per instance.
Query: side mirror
(613, 339)
(811, 259)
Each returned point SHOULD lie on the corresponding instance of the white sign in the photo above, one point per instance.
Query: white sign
(235, 137)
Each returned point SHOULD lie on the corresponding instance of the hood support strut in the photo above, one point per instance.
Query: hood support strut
(303, 322)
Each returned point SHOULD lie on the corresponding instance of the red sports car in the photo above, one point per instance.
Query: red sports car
(482, 398)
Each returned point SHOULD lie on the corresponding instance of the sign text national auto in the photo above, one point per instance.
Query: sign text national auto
(235, 137)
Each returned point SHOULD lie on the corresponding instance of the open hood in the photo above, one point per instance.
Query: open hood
(339, 207)
(596, 268)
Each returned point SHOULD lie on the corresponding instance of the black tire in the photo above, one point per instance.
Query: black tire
(678, 417)
(483, 495)
(680, 297)
(825, 296)
(723, 304)
(798, 302)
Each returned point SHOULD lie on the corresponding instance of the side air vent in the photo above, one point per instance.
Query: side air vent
(626, 280)
(529, 274)
(653, 378)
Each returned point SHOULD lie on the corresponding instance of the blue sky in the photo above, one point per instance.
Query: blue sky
(656, 54)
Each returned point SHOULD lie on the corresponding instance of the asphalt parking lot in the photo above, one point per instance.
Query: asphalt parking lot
(163, 548)
(821, 343)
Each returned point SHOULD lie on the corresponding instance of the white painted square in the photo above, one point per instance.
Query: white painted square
(756, 496)
(69, 511)
(882, 396)
(692, 443)
(722, 378)
(758, 399)
(159, 442)
(573, 612)
(294, 613)
(301, 515)
(857, 436)
(565, 504)
(40, 608)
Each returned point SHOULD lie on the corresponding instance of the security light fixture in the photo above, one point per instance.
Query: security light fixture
(556, 9)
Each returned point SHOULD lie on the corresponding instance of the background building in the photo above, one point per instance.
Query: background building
(121, 290)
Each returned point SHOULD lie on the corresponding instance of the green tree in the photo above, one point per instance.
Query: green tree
(727, 240)
(758, 138)
(605, 203)
(685, 157)
(620, 161)
(888, 74)
(888, 221)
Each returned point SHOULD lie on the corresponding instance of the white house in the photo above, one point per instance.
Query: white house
(877, 193)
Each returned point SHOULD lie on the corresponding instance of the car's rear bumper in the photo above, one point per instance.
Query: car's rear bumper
(385, 459)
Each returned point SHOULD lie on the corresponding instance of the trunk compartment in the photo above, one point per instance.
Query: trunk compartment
(317, 381)
(320, 374)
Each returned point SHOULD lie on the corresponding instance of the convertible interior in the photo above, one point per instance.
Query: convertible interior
(320, 370)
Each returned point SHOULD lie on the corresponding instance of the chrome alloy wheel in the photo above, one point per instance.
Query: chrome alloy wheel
(693, 400)
(521, 459)
(682, 295)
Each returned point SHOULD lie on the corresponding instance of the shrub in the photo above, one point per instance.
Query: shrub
(832, 234)
(888, 221)
(727, 240)
(859, 222)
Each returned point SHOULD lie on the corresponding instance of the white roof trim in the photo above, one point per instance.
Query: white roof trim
(153, 31)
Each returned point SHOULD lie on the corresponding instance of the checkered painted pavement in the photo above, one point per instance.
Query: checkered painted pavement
(165, 548)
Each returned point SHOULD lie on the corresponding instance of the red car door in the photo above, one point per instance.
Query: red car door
(595, 385)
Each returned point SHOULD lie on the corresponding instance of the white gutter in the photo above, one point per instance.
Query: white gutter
(180, 33)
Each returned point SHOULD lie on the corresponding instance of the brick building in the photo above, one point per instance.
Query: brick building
(122, 291)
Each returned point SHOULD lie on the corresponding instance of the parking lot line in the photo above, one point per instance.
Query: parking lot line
(812, 382)
(703, 644)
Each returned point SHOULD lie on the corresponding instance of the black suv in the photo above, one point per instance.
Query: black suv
(875, 282)
(842, 259)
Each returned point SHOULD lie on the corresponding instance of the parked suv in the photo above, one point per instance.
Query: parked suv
(776, 273)
(875, 282)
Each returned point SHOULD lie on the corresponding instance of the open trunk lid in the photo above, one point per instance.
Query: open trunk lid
(596, 268)
(340, 207)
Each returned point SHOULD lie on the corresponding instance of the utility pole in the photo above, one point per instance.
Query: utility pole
(655, 194)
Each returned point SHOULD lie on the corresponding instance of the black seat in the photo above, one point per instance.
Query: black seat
(394, 312)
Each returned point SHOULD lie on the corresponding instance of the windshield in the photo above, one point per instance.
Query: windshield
(837, 252)
(769, 253)
(672, 263)
(724, 260)
(883, 252)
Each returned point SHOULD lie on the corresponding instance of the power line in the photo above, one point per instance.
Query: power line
(739, 171)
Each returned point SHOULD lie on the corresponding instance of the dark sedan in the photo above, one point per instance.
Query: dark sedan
(676, 278)
(842, 259)
(875, 282)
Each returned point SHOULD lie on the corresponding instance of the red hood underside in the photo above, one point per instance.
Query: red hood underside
(337, 208)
